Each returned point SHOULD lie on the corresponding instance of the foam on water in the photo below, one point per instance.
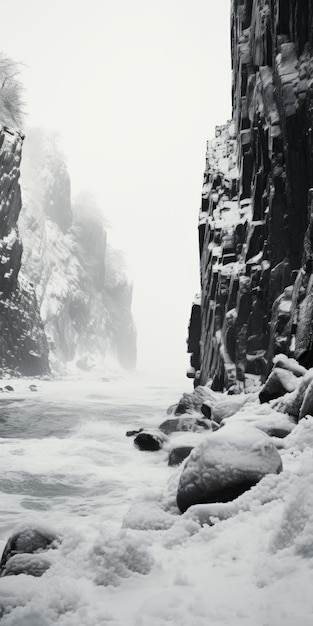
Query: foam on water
(127, 557)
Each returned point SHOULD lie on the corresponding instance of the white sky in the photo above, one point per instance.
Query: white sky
(136, 88)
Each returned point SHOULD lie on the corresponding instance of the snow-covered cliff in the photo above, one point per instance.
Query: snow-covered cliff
(80, 282)
(256, 217)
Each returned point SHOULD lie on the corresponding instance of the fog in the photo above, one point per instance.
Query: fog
(135, 89)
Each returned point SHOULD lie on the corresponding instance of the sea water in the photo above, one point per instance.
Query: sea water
(125, 555)
(66, 465)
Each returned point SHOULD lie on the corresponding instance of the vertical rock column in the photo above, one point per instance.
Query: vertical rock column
(256, 278)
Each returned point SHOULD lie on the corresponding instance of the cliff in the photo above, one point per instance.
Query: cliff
(23, 345)
(256, 218)
(81, 283)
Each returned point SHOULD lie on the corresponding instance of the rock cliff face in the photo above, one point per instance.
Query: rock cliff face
(256, 219)
(80, 282)
(23, 344)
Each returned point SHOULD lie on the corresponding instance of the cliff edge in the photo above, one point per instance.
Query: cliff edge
(256, 218)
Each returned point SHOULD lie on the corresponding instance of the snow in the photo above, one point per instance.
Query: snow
(127, 557)
(233, 455)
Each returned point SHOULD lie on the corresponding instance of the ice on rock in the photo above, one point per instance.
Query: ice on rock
(226, 464)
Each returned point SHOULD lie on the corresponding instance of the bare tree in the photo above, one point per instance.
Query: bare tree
(11, 90)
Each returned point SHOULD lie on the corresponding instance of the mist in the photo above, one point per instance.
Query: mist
(135, 89)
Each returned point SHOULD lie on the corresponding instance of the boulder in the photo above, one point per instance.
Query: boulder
(150, 440)
(307, 403)
(187, 423)
(23, 552)
(179, 454)
(191, 402)
(279, 382)
(227, 463)
(273, 423)
(229, 405)
(291, 402)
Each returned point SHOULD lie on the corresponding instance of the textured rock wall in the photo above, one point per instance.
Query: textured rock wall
(256, 219)
(23, 345)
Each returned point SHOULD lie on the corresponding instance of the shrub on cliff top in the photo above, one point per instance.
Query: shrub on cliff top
(11, 89)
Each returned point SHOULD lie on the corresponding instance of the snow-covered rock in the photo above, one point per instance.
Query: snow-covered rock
(226, 464)
(291, 402)
(285, 362)
(279, 382)
(23, 552)
(150, 440)
(186, 423)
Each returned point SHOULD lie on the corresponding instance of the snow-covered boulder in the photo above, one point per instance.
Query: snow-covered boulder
(287, 363)
(191, 402)
(186, 423)
(150, 440)
(226, 405)
(227, 463)
(23, 552)
(279, 382)
(265, 418)
(291, 403)
(29, 564)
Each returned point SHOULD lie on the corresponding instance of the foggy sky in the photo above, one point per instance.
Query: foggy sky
(136, 88)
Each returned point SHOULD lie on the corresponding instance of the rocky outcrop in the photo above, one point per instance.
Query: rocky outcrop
(80, 281)
(256, 218)
(23, 345)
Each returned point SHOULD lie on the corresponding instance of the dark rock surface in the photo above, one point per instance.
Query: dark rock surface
(150, 440)
(179, 454)
(256, 217)
(23, 346)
